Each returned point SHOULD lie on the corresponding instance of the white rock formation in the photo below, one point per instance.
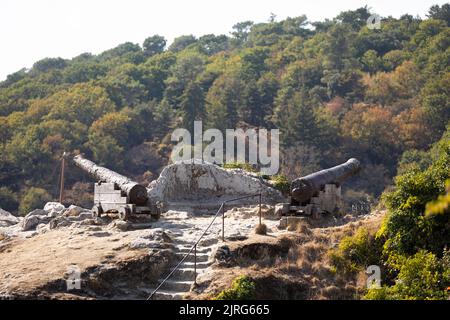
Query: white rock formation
(74, 210)
(7, 219)
(49, 206)
(37, 212)
(202, 181)
(54, 209)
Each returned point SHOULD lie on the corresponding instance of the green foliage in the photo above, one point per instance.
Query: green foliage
(237, 165)
(8, 199)
(407, 227)
(33, 198)
(421, 277)
(416, 231)
(242, 288)
(281, 183)
(182, 42)
(440, 12)
(154, 45)
(355, 253)
(441, 206)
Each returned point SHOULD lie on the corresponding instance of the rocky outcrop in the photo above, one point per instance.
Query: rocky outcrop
(7, 219)
(55, 215)
(202, 181)
(54, 208)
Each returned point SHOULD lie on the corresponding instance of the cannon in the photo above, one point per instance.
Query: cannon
(304, 188)
(114, 192)
(319, 192)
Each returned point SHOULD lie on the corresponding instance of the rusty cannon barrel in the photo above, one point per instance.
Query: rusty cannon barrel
(136, 193)
(304, 188)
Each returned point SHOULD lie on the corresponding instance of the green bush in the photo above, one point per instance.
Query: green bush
(356, 252)
(8, 200)
(417, 230)
(242, 288)
(421, 277)
(33, 198)
(407, 228)
(237, 165)
(281, 183)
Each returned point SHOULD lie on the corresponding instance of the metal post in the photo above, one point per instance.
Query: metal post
(260, 200)
(223, 221)
(61, 186)
(195, 264)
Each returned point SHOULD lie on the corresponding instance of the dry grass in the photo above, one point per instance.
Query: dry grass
(306, 264)
(261, 229)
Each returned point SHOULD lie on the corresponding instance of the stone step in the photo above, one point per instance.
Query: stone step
(186, 274)
(201, 257)
(176, 285)
(167, 295)
(200, 265)
(187, 249)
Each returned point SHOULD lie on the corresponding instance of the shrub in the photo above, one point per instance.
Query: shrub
(281, 183)
(32, 199)
(408, 228)
(356, 252)
(261, 229)
(236, 165)
(8, 200)
(421, 277)
(242, 288)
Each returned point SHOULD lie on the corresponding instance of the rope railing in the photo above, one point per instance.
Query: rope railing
(194, 247)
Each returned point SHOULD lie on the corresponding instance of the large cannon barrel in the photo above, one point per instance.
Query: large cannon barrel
(304, 188)
(136, 193)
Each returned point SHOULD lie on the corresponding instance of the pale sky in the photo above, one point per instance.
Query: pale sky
(34, 29)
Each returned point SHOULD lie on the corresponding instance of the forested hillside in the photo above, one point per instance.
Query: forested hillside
(336, 89)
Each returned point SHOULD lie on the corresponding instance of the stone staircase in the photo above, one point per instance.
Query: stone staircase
(182, 279)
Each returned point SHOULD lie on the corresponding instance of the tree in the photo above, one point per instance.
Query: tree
(440, 12)
(8, 200)
(407, 229)
(241, 30)
(427, 30)
(106, 150)
(155, 72)
(222, 102)
(83, 102)
(372, 61)
(435, 97)
(48, 64)
(294, 116)
(373, 128)
(337, 45)
(164, 116)
(356, 18)
(192, 105)
(114, 125)
(125, 51)
(211, 44)
(125, 85)
(154, 45)
(33, 198)
(182, 43)
(188, 67)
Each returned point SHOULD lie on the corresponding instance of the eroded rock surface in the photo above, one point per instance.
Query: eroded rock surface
(7, 219)
(202, 181)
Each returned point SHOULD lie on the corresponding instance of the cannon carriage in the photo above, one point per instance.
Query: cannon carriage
(116, 193)
(319, 192)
